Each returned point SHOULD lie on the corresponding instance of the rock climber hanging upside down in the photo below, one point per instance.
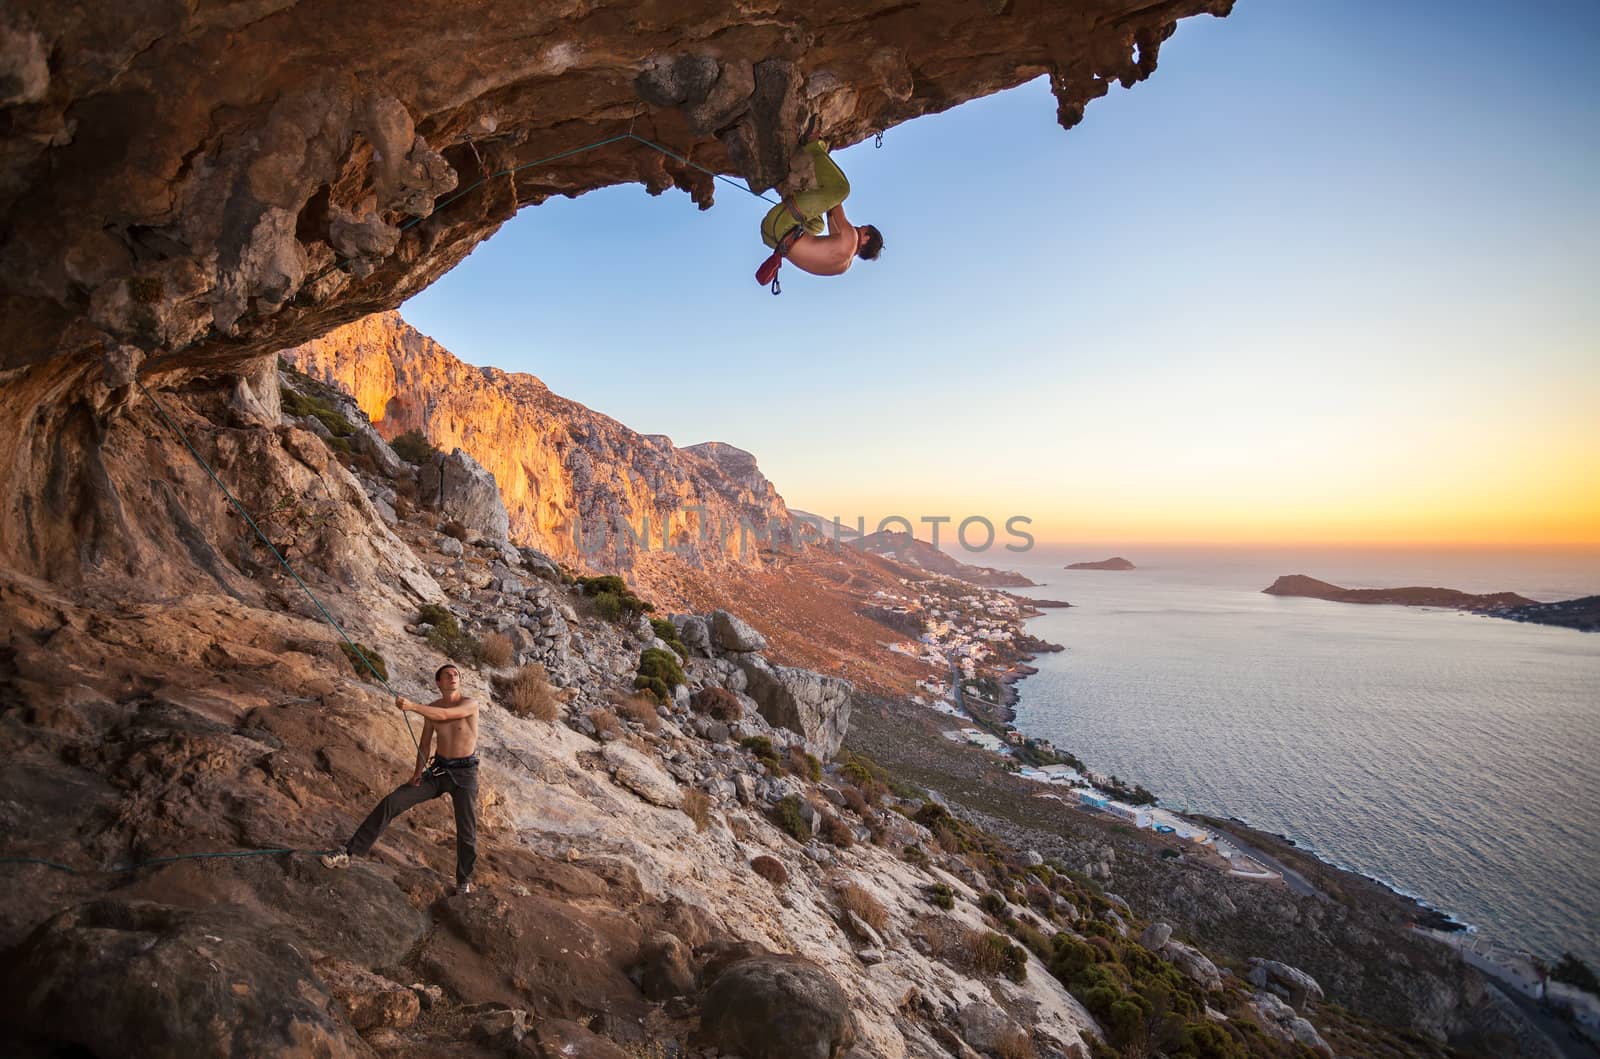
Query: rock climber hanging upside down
(794, 227)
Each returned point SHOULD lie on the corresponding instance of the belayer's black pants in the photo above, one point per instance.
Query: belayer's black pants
(442, 777)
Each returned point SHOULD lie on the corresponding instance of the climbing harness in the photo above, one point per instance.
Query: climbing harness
(767, 273)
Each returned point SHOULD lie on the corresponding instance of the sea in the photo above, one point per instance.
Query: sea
(1453, 756)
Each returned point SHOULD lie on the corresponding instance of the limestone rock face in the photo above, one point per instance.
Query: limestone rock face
(458, 486)
(813, 704)
(577, 485)
(640, 775)
(777, 1007)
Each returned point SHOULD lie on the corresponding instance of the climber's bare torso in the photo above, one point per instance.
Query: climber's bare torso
(827, 255)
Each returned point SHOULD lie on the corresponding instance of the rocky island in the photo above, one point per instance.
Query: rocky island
(1116, 562)
(1311, 588)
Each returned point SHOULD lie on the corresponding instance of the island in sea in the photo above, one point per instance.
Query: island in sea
(1116, 562)
(1310, 587)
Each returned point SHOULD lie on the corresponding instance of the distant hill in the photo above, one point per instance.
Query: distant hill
(1114, 563)
(1582, 613)
(906, 549)
(1310, 587)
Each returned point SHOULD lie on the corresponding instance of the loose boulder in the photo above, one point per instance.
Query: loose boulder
(1291, 983)
(777, 1007)
(458, 486)
(1195, 964)
(803, 701)
(1155, 936)
(734, 634)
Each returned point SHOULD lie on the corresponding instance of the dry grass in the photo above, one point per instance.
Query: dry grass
(529, 694)
(856, 801)
(697, 807)
(854, 898)
(1014, 1044)
(496, 650)
(974, 952)
(836, 832)
(803, 763)
(640, 710)
(770, 869)
(454, 529)
(718, 703)
(605, 721)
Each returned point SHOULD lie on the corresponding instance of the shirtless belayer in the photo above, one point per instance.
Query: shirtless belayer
(453, 720)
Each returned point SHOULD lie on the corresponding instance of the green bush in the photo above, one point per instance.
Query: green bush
(931, 815)
(612, 598)
(447, 637)
(788, 817)
(361, 651)
(668, 632)
(995, 905)
(440, 617)
(941, 896)
(414, 447)
(298, 404)
(609, 606)
(659, 673)
(762, 748)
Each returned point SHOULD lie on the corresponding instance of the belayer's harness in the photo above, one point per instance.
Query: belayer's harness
(768, 272)
(443, 766)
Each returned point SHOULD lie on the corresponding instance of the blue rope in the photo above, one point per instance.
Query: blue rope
(358, 652)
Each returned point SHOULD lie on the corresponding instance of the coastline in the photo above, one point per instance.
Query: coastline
(1429, 915)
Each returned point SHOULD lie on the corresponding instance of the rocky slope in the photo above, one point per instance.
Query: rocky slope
(616, 914)
(1301, 585)
(577, 485)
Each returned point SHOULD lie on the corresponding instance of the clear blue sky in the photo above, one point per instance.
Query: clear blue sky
(1329, 274)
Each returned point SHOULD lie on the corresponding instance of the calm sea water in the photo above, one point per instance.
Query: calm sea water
(1453, 756)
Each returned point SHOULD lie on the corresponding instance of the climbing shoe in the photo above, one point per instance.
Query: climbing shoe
(336, 859)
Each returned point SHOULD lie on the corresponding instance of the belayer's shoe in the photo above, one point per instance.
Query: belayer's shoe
(336, 859)
(463, 888)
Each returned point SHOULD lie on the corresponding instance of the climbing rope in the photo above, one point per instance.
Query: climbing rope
(355, 649)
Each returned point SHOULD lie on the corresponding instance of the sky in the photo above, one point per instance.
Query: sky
(1328, 276)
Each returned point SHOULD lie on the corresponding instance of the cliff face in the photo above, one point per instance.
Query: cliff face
(570, 477)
